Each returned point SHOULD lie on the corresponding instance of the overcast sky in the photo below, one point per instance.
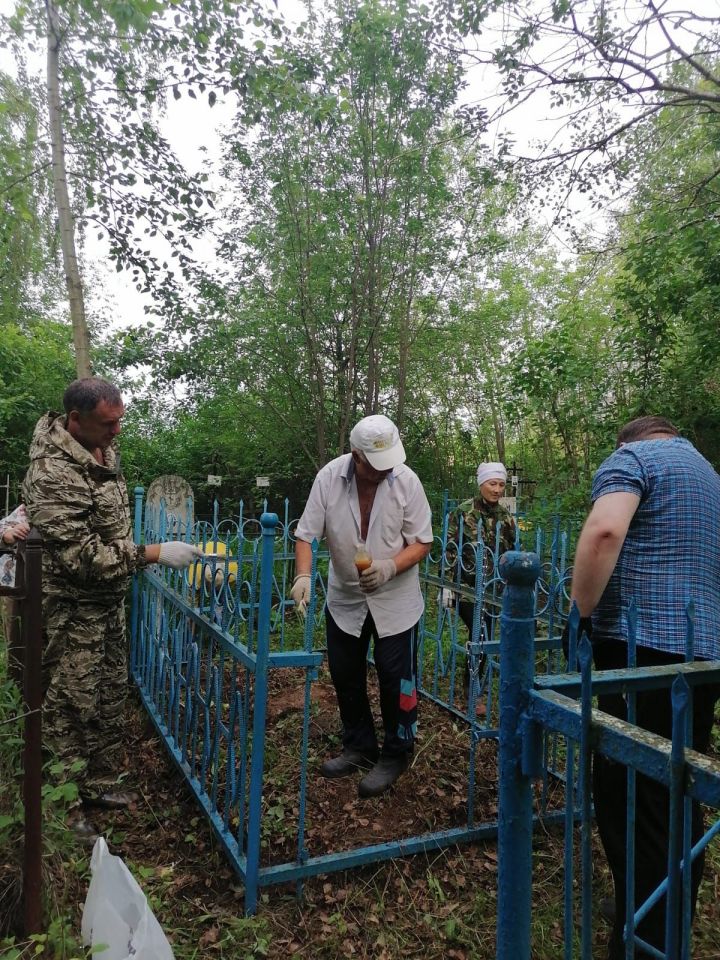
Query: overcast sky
(194, 130)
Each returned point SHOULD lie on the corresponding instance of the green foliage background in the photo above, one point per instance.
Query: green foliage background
(373, 254)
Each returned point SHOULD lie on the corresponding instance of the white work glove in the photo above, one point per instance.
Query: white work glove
(178, 554)
(447, 598)
(378, 573)
(300, 592)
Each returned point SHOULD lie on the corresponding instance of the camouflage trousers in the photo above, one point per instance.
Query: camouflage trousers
(85, 684)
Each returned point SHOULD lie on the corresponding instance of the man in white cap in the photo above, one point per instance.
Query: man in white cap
(370, 497)
(482, 516)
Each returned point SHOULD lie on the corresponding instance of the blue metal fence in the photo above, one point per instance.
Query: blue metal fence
(530, 707)
(208, 646)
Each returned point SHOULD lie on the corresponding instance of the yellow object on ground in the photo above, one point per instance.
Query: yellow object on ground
(204, 568)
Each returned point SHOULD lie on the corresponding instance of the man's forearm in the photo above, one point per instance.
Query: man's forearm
(303, 558)
(595, 558)
(410, 555)
(599, 547)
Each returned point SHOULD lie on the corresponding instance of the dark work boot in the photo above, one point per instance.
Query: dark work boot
(349, 761)
(466, 680)
(85, 831)
(383, 775)
(112, 800)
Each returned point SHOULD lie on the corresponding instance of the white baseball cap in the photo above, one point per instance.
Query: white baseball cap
(378, 438)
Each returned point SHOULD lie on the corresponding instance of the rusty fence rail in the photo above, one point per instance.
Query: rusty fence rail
(24, 648)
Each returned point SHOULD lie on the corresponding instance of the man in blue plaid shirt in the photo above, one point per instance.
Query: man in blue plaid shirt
(653, 535)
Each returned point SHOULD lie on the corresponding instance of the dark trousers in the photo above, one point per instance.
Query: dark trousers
(396, 666)
(654, 713)
(467, 611)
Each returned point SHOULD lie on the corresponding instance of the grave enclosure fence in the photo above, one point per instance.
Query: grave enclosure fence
(208, 644)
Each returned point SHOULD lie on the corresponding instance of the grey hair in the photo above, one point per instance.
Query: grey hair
(84, 395)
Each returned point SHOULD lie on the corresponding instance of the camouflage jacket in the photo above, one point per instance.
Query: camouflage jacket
(480, 524)
(81, 508)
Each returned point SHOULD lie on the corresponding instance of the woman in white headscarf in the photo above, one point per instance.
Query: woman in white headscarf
(482, 516)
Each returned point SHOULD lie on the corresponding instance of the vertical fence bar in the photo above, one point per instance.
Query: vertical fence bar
(310, 675)
(269, 522)
(135, 596)
(631, 796)
(686, 933)
(521, 571)
(32, 761)
(585, 775)
(680, 698)
(569, 843)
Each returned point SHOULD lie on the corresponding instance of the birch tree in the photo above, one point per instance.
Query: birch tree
(66, 219)
(110, 70)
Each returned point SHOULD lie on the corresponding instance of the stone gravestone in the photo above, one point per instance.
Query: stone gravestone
(174, 492)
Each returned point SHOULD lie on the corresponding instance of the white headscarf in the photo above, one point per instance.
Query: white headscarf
(490, 471)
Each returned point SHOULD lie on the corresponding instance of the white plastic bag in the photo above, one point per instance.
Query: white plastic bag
(116, 913)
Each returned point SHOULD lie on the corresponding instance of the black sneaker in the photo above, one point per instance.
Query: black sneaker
(349, 761)
(383, 775)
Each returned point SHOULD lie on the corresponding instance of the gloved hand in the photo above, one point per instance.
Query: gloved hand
(378, 573)
(584, 627)
(446, 598)
(178, 554)
(300, 592)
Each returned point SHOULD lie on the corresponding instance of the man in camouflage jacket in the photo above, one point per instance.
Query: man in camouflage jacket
(481, 517)
(75, 495)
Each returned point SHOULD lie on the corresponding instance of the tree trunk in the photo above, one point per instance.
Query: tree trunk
(499, 430)
(404, 335)
(567, 443)
(62, 199)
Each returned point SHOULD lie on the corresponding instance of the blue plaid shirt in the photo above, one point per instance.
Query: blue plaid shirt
(672, 551)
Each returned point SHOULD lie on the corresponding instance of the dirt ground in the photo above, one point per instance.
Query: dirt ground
(436, 905)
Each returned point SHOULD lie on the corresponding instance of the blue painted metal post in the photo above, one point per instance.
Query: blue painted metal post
(521, 571)
(687, 911)
(570, 765)
(680, 697)
(310, 675)
(268, 521)
(585, 776)
(135, 601)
